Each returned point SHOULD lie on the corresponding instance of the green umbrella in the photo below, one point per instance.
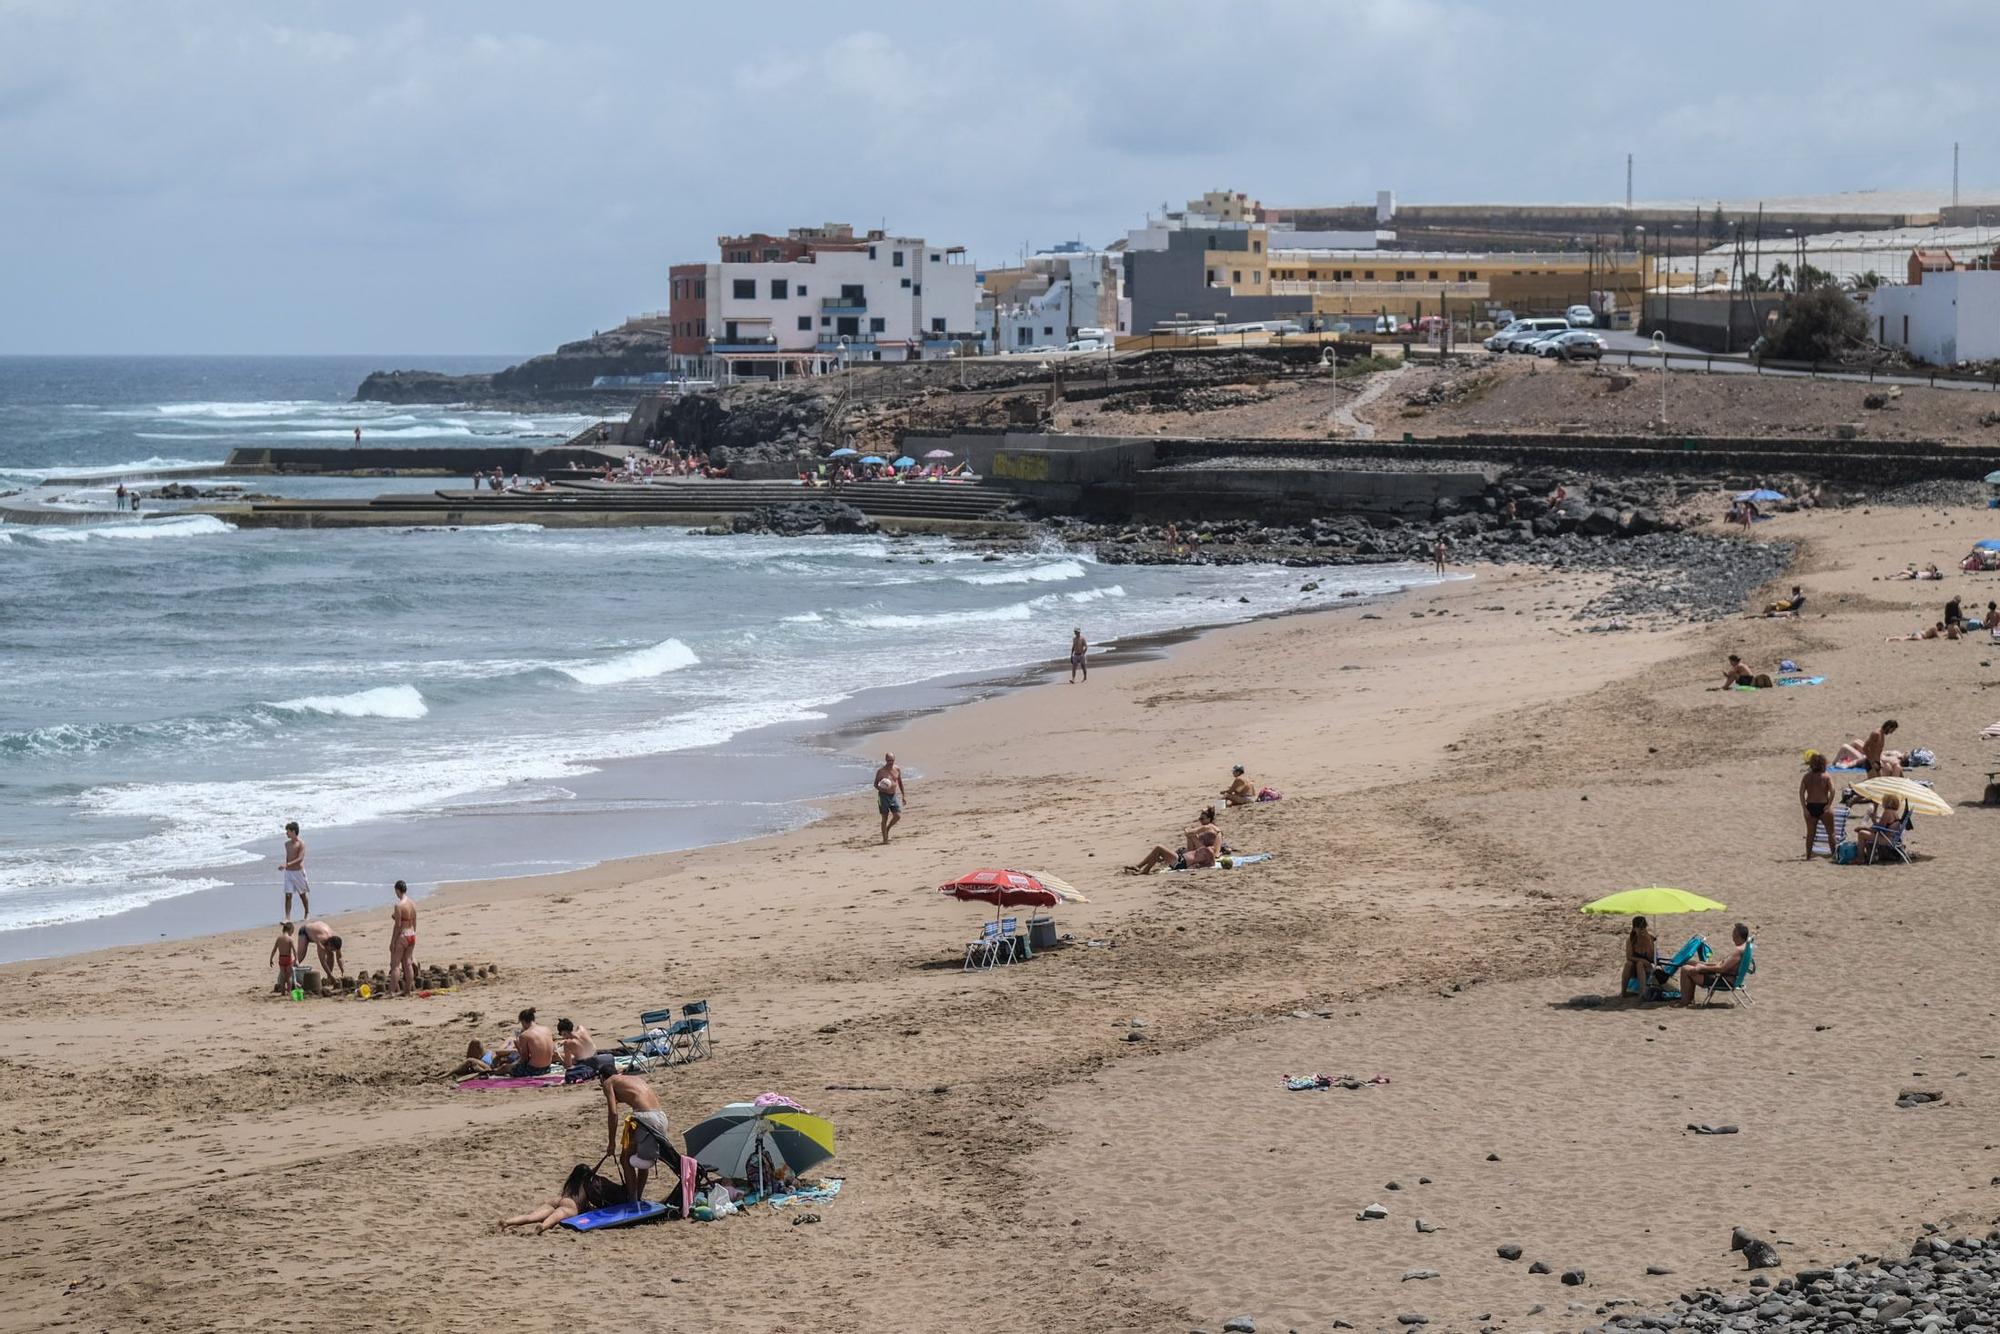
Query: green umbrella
(1654, 900)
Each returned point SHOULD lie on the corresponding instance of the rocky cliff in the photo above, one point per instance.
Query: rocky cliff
(561, 377)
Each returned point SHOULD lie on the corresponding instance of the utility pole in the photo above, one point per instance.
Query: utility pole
(1628, 182)
(1954, 173)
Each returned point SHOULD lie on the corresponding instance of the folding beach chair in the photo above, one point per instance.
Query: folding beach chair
(1654, 985)
(1738, 986)
(1013, 945)
(690, 1032)
(1888, 836)
(656, 1043)
(982, 950)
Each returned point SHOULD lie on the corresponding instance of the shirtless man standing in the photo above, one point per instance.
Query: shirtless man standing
(889, 794)
(403, 943)
(1079, 656)
(1871, 749)
(321, 935)
(649, 1132)
(293, 867)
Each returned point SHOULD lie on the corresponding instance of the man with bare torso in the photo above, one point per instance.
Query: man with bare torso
(1871, 750)
(889, 794)
(403, 943)
(575, 1042)
(321, 935)
(649, 1143)
(1816, 797)
(534, 1048)
(293, 868)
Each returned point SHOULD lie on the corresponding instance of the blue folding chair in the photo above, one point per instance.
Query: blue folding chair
(980, 952)
(1738, 986)
(656, 1043)
(1654, 985)
(691, 1032)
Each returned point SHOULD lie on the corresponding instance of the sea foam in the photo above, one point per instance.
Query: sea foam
(404, 702)
(669, 655)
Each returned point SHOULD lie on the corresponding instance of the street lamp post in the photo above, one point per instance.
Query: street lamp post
(1660, 346)
(958, 351)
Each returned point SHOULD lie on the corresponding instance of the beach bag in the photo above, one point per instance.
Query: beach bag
(1845, 854)
(1922, 758)
(1269, 794)
(1763, 681)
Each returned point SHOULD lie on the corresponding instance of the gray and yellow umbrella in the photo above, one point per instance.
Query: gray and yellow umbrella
(739, 1139)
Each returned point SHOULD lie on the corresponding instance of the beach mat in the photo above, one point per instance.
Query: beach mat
(1802, 680)
(617, 1215)
(1237, 859)
(480, 1083)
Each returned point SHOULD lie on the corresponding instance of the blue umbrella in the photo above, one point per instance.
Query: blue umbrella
(843, 453)
(1761, 495)
(1989, 544)
(873, 458)
(1993, 478)
(906, 462)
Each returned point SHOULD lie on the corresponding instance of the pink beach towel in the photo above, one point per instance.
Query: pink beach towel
(509, 1082)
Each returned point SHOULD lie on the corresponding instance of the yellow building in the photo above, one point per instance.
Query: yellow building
(1413, 283)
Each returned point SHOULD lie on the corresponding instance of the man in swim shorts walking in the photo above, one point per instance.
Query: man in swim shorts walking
(293, 868)
(1079, 656)
(889, 794)
(403, 943)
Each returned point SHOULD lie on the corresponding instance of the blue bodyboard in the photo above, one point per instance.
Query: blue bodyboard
(617, 1215)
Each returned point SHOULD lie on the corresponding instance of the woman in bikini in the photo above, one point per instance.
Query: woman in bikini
(1816, 799)
(582, 1191)
(1641, 954)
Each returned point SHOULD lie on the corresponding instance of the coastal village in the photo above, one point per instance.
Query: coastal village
(1592, 934)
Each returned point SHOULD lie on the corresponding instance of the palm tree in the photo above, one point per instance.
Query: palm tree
(1865, 282)
(1781, 275)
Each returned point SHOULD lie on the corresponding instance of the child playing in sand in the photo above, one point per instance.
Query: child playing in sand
(281, 950)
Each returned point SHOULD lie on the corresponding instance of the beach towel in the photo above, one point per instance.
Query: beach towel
(485, 1082)
(1230, 861)
(1802, 680)
(826, 1190)
(1992, 733)
(1300, 1083)
(617, 1215)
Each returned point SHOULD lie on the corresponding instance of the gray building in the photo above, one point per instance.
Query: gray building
(1174, 283)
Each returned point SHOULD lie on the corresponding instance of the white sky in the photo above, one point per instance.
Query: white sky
(496, 176)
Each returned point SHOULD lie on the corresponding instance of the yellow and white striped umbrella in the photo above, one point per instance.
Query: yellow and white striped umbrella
(1911, 793)
(1062, 889)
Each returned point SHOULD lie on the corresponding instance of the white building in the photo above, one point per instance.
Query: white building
(1054, 296)
(1949, 317)
(887, 298)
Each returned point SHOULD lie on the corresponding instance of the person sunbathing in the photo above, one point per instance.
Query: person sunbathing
(573, 1042)
(1790, 606)
(1735, 673)
(1992, 618)
(1239, 792)
(1937, 631)
(534, 1048)
(478, 1061)
(1641, 955)
(1888, 816)
(1204, 847)
(1724, 965)
(582, 1190)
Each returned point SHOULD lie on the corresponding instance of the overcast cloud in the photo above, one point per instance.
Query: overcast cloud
(496, 176)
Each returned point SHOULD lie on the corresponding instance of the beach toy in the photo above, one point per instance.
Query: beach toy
(298, 993)
(364, 991)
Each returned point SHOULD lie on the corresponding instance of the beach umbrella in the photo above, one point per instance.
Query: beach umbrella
(945, 454)
(1992, 478)
(1761, 495)
(873, 458)
(1062, 889)
(843, 453)
(1914, 794)
(744, 1134)
(1987, 544)
(1002, 889)
(905, 462)
(1652, 901)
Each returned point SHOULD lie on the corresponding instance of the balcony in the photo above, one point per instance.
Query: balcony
(744, 343)
(843, 305)
(856, 342)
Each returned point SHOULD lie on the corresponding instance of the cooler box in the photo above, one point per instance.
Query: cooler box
(1041, 933)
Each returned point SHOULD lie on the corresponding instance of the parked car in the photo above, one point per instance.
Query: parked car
(1084, 345)
(1581, 317)
(1572, 345)
(1540, 327)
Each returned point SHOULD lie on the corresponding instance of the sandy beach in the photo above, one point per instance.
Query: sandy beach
(1462, 768)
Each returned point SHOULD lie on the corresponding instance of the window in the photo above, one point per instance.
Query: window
(1369, 275)
(1257, 276)
(906, 282)
(825, 321)
(1434, 275)
(1214, 277)
(770, 254)
(877, 324)
(780, 289)
(1236, 275)
(745, 289)
(701, 289)
(802, 289)
(1256, 247)
(897, 260)
(1467, 275)
(805, 323)
(701, 328)
(934, 258)
(871, 252)
(937, 325)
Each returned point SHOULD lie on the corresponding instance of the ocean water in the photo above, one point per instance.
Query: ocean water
(447, 704)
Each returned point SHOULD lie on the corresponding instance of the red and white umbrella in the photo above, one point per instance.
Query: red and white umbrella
(1010, 889)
